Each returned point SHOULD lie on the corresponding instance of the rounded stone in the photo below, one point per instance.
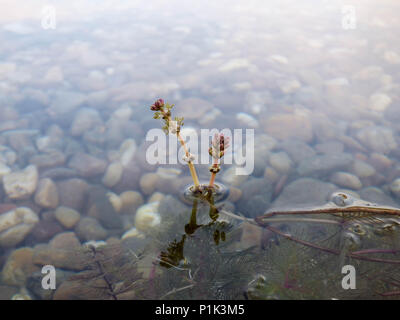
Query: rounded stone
(156, 196)
(271, 175)
(68, 217)
(247, 120)
(363, 169)
(4, 170)
(395, 187)
(15, 225)
(148, 183)
(65, 240)
(131, 200)
(127, 151)
(193, 108)
(303, 192)
(21, 184)
(46, 194)
(380, 161)
(44, 230)
(113, 174)
(115, 201)
(122, 113)
(18, 267)
(286, 126)
(90, 229)
(379, 101)
(87, 165)
(133, 233)
(232, 178)
(48, 160)
(346, 180)
(281, 162)
(234, 194)
(147, 217)
(73, 193)
(129, 180)
(378, 139)
(85, 119)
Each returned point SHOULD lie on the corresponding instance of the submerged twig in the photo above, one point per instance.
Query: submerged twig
(328, 250)
(174, 290)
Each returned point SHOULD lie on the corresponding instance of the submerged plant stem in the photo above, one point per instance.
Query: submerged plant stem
(328, 250)
(177, 290)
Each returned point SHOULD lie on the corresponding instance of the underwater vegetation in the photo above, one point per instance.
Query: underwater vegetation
(194, 255)
(302, 257)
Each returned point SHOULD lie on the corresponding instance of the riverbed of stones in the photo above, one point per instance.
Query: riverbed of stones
(73, 163)
(61, 189)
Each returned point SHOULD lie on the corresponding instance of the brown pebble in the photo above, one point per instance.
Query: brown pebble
(234, 194)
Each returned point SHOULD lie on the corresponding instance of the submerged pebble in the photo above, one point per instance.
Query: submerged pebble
(15, 225)
(115, 201)
(127, 151)
(131, 200)
(231, 178)
(147, 217)
(122, 113)
(379, 102)
(46, 194)
(286, 126)
(148, 183)
(73, 193)
(395, 187)
(113, 174)
(346, 180)
(247, 120)
(85, 119)
(281, 162)
(89, 228)
(4, 169)
(363, 169)
(156, 196)
(21, 184)
(18, 267)
(321, 165)
(87, 165)
(68, 217)
(133, 233)
(377, 138)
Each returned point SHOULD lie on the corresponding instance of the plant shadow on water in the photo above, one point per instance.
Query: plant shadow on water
(302, 256)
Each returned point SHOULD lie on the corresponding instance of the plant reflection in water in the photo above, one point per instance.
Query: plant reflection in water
(204, 194)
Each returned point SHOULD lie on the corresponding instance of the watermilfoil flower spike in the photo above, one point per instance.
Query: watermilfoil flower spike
(162, 111)
(217, 150)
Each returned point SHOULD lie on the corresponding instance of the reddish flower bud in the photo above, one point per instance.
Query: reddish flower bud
(159, 103)
(219, 145)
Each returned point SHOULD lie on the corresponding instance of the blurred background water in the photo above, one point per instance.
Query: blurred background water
(318, 81)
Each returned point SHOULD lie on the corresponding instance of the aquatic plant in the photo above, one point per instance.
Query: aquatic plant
(217, 150)
(291, 270)
(201, 266)
(219, 144)
(301, 257)
(110, 273)
(162, 111)
(359, 223)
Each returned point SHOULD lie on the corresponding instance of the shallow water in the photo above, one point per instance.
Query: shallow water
(316, 80)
